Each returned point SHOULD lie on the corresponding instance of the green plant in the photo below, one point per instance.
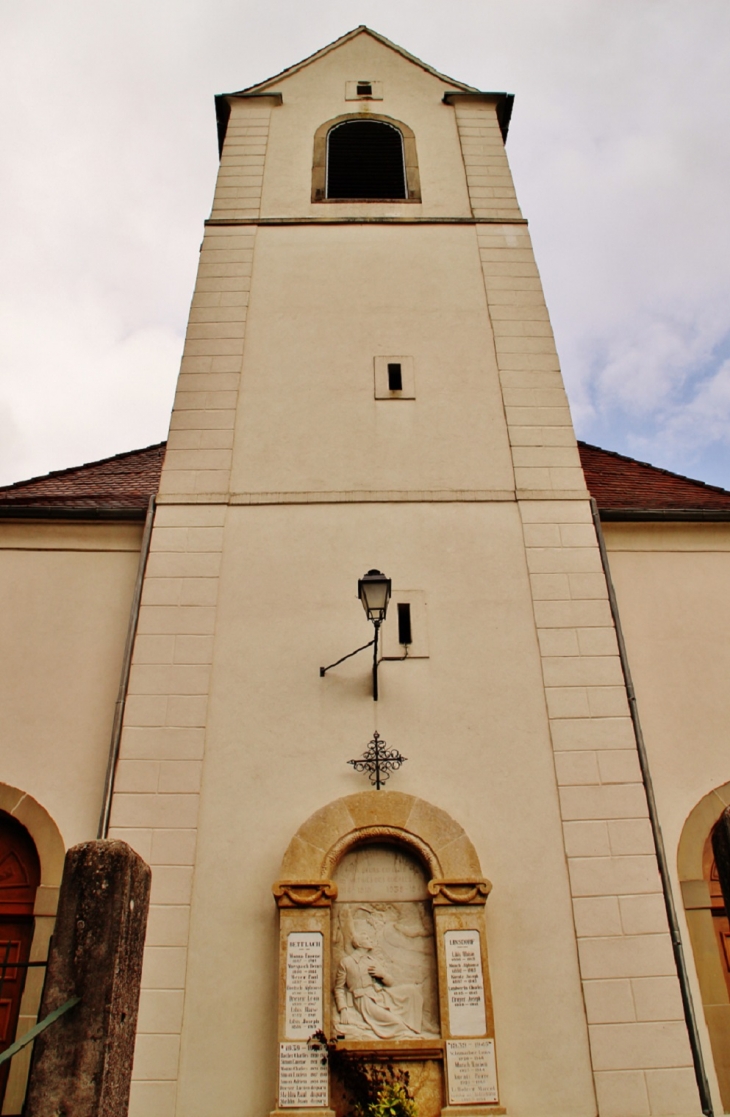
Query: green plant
(372, 1089)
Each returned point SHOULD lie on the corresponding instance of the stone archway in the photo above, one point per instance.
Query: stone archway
(457, 893)
(51, 852)
(698, 908)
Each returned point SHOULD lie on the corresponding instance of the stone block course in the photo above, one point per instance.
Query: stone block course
(609, 1002)
(657, 998)
(598, 733)
(672, 1091)
(587, 839)
(153, 1099)
(172, 884)
(627, 956)
(606, 801)
(156, 1056)
(639, 1045)
(169, 927)
(604, 876)
(174, 847)
(160, 1010)
(596, 915)
(642, 915)
(622, 1094)
(178, 776)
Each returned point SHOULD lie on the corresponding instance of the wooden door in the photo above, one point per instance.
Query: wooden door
(19, 879)
(720, 921)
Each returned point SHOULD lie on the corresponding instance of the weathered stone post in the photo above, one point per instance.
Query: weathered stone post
(82, 1063)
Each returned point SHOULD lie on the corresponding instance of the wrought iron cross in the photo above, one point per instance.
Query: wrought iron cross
(378, 761)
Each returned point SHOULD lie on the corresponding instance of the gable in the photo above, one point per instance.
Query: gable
(337, 45)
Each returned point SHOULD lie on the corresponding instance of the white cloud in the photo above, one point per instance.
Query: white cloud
(619, 147)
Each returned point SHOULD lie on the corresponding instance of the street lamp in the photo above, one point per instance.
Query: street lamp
(374, 590)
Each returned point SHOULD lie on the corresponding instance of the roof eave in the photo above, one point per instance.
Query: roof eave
(45, 512)
(503, 101)
(664, 515)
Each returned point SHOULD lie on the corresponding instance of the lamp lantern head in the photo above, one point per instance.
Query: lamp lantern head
(374, 592)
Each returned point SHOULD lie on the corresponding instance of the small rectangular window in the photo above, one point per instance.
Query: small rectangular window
(364, 89)
(404, 623)
(395, 378)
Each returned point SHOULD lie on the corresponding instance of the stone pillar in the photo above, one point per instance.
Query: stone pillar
(82, 1063)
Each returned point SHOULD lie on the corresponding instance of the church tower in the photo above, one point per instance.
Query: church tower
(370, 383)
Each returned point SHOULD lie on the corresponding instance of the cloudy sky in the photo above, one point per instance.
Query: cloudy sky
(620, 148)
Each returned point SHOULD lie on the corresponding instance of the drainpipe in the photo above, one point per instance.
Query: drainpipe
(124, 681)
(661, 856)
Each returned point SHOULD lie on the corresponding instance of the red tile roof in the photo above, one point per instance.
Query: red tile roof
(621, 484)
(124, 483)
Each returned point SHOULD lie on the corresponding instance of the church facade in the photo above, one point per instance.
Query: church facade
(525, 917)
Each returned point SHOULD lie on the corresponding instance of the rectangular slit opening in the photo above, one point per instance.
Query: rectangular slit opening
(364, 89)
(395, 383)
(404, 623)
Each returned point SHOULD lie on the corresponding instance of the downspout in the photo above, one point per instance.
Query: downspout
(689, 1012)
(116, 737)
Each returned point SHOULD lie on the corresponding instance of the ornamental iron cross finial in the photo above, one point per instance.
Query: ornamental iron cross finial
(378, 761)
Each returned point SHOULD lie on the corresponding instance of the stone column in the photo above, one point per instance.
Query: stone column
(82, 1063)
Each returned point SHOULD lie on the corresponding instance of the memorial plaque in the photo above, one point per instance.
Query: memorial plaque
(304, 975)
(303, 1079)
(380, 872)
(465, 983)
(471, 1071)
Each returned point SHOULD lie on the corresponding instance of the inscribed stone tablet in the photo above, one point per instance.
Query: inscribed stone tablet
(380, 872)
(304, 974)
(302, 1077)
(472, 1071)
(465, 984)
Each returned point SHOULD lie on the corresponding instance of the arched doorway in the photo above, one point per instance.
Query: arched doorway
(709, 927)
(20, 875)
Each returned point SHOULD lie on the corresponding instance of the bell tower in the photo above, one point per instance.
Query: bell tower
(370, 382)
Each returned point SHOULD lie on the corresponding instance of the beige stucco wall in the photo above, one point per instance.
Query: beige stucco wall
(65, 595)
(324, 303)
(470, 719)
(672, 586)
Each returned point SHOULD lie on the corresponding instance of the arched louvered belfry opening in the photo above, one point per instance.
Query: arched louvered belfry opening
(365, 159)
(361, 158)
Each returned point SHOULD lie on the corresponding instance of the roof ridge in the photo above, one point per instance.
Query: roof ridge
(362, 28)
(83, 465)
(655, 468)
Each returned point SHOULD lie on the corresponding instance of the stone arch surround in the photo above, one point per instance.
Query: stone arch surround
(435, 837)
(698, 913)
(458, 893)
(319, 158)
(51, 853)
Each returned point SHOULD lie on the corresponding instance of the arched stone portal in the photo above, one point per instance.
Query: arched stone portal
(695, 863)
(413, 874)
(49, 846)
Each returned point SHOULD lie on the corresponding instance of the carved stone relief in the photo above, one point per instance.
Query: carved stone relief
(383, 952)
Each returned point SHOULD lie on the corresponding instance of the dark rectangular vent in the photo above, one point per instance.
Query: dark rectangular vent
(395, 380)
(364, 89)
(404, 623)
